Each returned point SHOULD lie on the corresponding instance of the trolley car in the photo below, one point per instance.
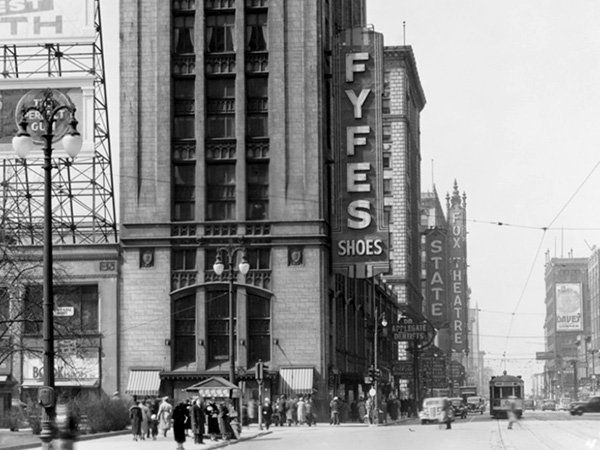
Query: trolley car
(505, 389)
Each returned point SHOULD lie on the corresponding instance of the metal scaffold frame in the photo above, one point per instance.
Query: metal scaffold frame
(82, 189)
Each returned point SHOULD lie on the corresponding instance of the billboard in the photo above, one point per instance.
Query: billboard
(16, 93)
(568, 307)
(37, 22)
(80, 368)
(359, 232)
(436, 277)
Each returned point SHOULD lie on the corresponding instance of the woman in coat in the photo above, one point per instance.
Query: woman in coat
(267, 413)
(135, 414)
(165, 410)
(145, 420)
(301, 410)
(198, 419)
(212, 418)
(180, 416)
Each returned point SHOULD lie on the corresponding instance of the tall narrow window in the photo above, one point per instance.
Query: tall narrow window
(217, 326)
(257, 124)
(259, 329)
(259, 258)
(183, 34)
(184, 192)
(256, 32)
(220, 191)
(184, 331)
(183, 259)
(220, 107)
(219, 33)
(257, 175)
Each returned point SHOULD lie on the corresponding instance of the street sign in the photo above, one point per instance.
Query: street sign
(408, 329)
(64, 311)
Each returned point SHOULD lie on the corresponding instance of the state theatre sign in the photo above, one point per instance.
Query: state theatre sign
(359, 233)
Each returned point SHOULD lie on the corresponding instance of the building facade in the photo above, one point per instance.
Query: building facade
(567, 323)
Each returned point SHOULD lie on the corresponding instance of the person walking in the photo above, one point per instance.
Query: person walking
(334, 408)
(362, 411)
(212, 418)
(311, 418)
(180, 417)
(135, 415)
(282, 409)
(267, 413)
(291, 412)
(301, 410)
(223, 420)
(198, 419)
(165, 411)
(447, 414)
(145, 420)
(512, 412)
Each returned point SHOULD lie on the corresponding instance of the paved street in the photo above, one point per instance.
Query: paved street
(536, 431)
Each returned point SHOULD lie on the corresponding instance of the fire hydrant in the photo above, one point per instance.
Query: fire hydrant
(66, 424)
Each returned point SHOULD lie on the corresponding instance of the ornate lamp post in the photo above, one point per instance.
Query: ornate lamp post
(47, 113)
(230, 252)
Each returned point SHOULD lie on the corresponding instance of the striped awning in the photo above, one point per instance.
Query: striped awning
(296, 380)
(143, 382)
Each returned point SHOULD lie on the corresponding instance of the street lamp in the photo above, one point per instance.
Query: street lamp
(47, 113)
(230, 252)
(377, 319)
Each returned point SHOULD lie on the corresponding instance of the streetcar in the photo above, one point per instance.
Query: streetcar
(505, 389)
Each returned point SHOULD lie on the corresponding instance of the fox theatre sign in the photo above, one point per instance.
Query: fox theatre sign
(360, 235)
(459, 296)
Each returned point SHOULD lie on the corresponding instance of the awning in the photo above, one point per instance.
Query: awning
(296, 380)
(215, 387)
(3, 378)
(143, 382)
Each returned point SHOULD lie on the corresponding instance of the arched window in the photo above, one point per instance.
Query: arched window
(184, 331)
(259, 329)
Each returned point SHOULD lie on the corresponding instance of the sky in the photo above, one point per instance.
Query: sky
(512, 103)
(513, 100)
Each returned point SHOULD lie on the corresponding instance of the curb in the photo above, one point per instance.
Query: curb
(241, 439)
(82, 437)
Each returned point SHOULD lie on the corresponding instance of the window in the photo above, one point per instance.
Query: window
(220, 88)
(77, 307)
(259, 329)
(4, 309)
(259, 258)
(257, 93)
(256, 32)
(184, 331)
(217, 326)
(257, 176)
(387, 185)
(257, 125)
(183, 34)
(387, 132)
(184, 193)
(183, 259)
(220, 126)
(387, 215)
(183, 127)
(220, 191)
(387, 158)
(219, 33)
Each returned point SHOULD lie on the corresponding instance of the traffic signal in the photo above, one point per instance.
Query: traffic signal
(377, 374)
(372, 372)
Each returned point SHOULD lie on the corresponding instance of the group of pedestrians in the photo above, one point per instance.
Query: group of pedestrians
(193, 417)
(290, 411)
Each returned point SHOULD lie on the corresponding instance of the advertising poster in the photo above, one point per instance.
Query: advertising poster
(568, 307)
(16, 94)
(46, 21)
(81, 368)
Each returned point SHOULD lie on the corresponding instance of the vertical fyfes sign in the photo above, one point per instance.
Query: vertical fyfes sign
(360, 235)
(436, 291)
(459, 296)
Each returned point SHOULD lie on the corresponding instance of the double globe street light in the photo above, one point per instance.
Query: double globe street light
(48, 112)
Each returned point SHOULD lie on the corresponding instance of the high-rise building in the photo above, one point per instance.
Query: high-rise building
(226, 143)
(567, 321)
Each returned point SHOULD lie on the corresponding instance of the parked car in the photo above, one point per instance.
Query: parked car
(591, 405)
(529, 404)
(549, 405)
(432, 409)
(476, 404)
(460, 409)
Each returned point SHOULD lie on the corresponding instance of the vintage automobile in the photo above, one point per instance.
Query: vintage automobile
(476, 404)
(432, 409)
(549, 405)
(460, 409)
(591, 405)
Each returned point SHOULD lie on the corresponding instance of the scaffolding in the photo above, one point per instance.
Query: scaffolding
(83, 208)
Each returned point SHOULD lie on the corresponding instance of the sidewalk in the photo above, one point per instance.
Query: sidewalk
(123, 440)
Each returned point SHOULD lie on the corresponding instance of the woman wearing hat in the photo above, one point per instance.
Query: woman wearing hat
(165, 411)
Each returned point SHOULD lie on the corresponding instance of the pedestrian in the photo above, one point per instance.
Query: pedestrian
(361, 408)
(311, 417)
(447, 414)
(512, 412)
(145, 430)
(281, 410)
(301, 410)
(267, 413)
(334, 408)
(198, 419)
(165, 411)
(152, 420)
(135, 415)
(223, 420)
(383, 410)
(369, 406)
(212, 418)
(180, 418)
(251, 417)
(188, 422)
(290, 414)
